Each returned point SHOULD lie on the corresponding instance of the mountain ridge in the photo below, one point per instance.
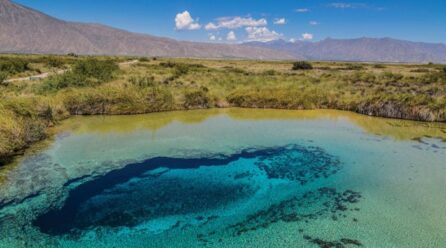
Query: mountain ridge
(363, 49)
(24, 30)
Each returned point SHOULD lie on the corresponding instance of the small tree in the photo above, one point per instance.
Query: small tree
(302, 65)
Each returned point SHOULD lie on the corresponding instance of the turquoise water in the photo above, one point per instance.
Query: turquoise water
(229, 178)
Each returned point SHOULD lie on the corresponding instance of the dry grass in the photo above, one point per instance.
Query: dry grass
(152, 85)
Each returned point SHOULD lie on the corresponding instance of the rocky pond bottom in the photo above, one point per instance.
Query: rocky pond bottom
(233, 178)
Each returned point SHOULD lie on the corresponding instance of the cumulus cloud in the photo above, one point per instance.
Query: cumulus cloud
(231, 36)
(210, 26)
(307, 37)
(302, 10)
(280, 21)
(235, 22)
(292, 40)
(212, 37)
(313, 23)
(184, 21)
(262, 34)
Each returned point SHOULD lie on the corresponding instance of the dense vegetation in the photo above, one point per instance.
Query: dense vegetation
(99, 86)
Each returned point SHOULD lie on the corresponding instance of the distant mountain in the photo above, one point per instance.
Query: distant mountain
(24, 30)
(362, 49)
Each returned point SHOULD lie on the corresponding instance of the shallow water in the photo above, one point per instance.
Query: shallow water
(229, 178)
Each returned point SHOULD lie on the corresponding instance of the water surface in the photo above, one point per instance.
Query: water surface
(229, 178)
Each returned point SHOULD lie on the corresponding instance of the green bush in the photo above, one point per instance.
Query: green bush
(85, 73)
(159, 99)
(197, 99)
(353, 67)
(66, 80)
(379, 66)
(180, 70)
(389, 77)
(144, 59)
(54, 62)
(3, 76)
(143, 82)
(96, 69)
(13, 65)
(302, 65)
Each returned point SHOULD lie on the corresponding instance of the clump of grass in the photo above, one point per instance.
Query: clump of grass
(353, 67)
(143, 81)
(302, 65)
(55, 62)
(379, 66)
(3, 77)
(197, 99)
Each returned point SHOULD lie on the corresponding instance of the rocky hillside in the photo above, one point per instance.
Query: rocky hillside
(24, 30)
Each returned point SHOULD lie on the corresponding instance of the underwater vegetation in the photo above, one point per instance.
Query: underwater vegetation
(163, 187)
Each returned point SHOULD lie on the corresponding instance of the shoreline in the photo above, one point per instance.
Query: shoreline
(5, 160)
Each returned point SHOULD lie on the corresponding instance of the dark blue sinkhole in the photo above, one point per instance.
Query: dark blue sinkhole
(138, 192)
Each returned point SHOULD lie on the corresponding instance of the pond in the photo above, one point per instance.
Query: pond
(229, 178)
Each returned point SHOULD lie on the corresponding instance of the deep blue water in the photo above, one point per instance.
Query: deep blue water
(241, 178)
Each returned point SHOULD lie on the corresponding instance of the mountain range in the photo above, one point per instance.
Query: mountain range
(361, 49)
(24, 30)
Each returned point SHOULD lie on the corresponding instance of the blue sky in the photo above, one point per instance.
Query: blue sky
(234, 21)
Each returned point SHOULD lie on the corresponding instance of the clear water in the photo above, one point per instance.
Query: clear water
(229, 178)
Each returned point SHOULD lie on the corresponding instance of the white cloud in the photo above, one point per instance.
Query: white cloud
(212, 37)
(307, 36)
(235, 22)
(280, 21)
(231, 36)
(340, 5)
(348, 5)
(313, 23)
(184, 21)
(210, 26)
(303, 10)
(262, 34)
(292, 40)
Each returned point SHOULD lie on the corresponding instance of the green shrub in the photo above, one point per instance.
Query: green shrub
(181, 69)
(420, 70)
(3, 76)
(85, 73)
(353, 67)
(197, 99)
(54, 62)
(388, 77)
(13, 65)
(66, 80)
(269, 73)
(302, 65)
(379, 66)
(144, 59)
(159, 99)
(96, 69)
(143, 82)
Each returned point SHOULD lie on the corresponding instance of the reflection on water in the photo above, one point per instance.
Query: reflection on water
(398, 129)
(229, 178)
